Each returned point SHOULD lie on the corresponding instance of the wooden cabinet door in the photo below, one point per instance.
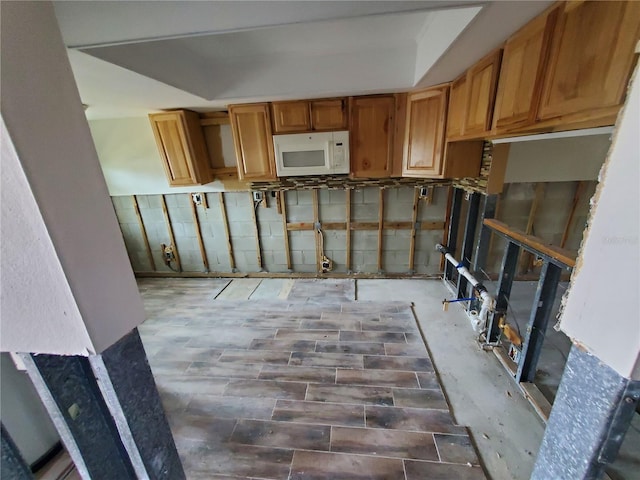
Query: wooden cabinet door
(457, 103)
(591, 57)
(371, 136)
(482, 80)
(521, 73)
(181, 146)
(424, 138)
(291, 117)
(251, 126)
(329, 114)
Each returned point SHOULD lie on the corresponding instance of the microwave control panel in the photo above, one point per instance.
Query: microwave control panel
(338, 154)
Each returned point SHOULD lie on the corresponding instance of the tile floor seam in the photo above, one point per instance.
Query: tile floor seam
(436, 445)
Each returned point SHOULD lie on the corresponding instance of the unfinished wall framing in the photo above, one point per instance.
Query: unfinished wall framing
(364, 231)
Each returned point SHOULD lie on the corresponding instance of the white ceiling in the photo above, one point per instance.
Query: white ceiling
(131, 58)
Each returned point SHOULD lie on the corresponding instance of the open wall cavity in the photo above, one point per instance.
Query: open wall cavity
(367, 231)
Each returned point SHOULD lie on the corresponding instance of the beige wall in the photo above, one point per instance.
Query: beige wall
(130, 160)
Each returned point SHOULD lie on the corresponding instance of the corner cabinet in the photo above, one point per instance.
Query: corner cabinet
(251, 126)
(182, 147)
(592, 54)
(425, 129)
(371, 136)
(472, 99)
(568, 68)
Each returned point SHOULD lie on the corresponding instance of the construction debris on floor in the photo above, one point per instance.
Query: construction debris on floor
(302, 383)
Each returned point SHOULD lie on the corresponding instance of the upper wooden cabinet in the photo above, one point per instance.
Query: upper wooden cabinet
(592, 53)
(472, 99)
(521, 74)
(329, 114)
(371, 136)
(182, 148)
(306, 116)
(291, 117)
(251, 126)
(457, 103)
(424, 137)
(482, 80)
(567, 68)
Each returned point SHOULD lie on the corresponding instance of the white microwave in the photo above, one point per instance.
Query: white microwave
(319, 153)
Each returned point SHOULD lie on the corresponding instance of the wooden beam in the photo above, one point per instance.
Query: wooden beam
(256, 230)
(414, 219)
(364, 226)
(196, 225)
(380, 226)
(492, 237)
(143, 231)
(214, 118)
(432, 225)
(580, 188)
(172, 239)
(348, 226)
(307, 226)
(225, 222)
(560, 254)
(278, 204)
(316, 231)
(526, 258)
(283, 208)
(299, 226)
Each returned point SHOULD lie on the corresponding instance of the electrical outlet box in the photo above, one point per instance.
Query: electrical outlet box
(514, 353)
(168, 253)
(424, 192)
(258, 196)
(197, 198)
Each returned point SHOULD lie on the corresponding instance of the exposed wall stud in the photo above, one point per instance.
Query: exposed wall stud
(580, 188)
(278, 203)
(225, 222)
(414, 220)
(467, 242)
(172, 239)
(537, 326)
(507, 273)
(143, 231)
(348, 233)
(256, 230)
(454, 225)
(526, 259)
(196, 225)
(380, 226)
(445, 233)
(316, 229)
(285, 233)
(484, 239)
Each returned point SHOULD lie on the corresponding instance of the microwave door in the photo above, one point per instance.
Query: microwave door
(305, 159)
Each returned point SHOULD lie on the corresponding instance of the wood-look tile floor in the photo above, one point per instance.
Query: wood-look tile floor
(313, 386)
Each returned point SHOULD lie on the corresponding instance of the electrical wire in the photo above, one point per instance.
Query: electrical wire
(168, 264)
